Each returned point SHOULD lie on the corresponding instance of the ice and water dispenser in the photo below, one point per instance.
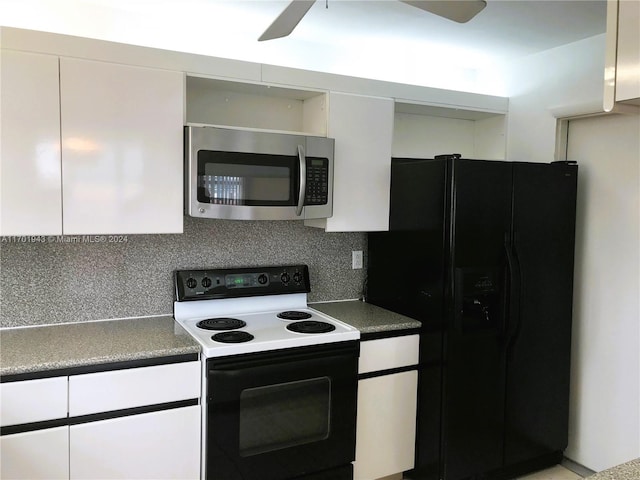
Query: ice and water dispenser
(479, 304)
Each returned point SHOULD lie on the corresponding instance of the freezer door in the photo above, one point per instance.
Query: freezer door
(473, 402)
(540, 339)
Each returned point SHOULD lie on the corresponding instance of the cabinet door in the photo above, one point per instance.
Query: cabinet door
(363, 130)
(30, 190)
(386, 427)
(122, 154)
(158, 445)
(43, 454)
(628, 55)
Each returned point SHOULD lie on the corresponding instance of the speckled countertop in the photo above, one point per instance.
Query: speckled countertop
(68, 345)
(35, 349)
(626, 471)
(365, 317)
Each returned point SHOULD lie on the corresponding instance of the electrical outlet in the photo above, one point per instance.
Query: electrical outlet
(356, 259)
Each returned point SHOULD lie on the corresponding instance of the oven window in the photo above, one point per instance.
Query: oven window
(284, 415)
(233, 179)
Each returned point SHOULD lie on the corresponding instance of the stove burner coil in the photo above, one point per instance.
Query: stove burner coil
(311, 326)
(222, 323)
(294, 315)
(232, 337)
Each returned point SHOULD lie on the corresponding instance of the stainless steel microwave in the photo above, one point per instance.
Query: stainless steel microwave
(249, 175)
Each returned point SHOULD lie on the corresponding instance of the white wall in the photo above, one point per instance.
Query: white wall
(572, 75)
(604, 425)
(605, 404)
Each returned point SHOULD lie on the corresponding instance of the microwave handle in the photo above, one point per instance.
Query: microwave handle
(303, 180)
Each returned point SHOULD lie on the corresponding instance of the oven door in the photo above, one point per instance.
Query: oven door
(283, 414)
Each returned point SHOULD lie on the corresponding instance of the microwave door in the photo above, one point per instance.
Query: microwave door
(250, 192)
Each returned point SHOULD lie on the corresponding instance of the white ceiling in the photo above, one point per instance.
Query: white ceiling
(383, 39)
(505, 28)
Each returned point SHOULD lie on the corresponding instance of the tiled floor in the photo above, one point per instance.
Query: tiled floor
(555, 473)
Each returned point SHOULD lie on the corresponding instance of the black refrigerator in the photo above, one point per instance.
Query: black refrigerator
(481, 252)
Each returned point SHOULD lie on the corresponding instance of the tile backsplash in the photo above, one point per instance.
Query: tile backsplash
(82, 279)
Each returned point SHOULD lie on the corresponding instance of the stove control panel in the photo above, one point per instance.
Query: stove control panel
(240, 282)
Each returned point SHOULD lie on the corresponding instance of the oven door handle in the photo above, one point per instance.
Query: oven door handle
(318, 353)
(303, 180)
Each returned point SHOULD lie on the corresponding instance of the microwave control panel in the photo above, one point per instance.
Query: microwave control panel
(317, 181)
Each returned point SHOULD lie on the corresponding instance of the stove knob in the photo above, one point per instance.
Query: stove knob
(284, 278)
(297, 277)
(191, 283)
(206, 282)
(262, 279)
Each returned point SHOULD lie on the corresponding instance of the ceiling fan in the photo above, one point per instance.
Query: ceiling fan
(460, 11)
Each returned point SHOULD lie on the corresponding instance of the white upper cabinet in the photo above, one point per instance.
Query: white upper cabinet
(89, 147)
(92, 132)
(30, 190)
(628, 58)
(121, 148)
(622, 63)
(362, 128)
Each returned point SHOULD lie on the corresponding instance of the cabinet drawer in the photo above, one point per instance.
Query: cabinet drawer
(134, 387)
(388, 353)
(33, 401)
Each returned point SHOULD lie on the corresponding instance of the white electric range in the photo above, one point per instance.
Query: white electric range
(279, 388)
(237, 311)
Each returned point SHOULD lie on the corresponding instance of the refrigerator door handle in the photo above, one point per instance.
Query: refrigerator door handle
(515, 282)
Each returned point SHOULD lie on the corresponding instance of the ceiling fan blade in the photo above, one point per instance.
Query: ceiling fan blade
(284, 23)
(460, 11)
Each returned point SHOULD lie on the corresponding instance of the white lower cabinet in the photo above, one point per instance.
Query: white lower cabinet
(42, 454)
(387, 405)
(157, 445)
(133, 387)
(133, 423)
(386, 427)
(22, 402)
(39, 454)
